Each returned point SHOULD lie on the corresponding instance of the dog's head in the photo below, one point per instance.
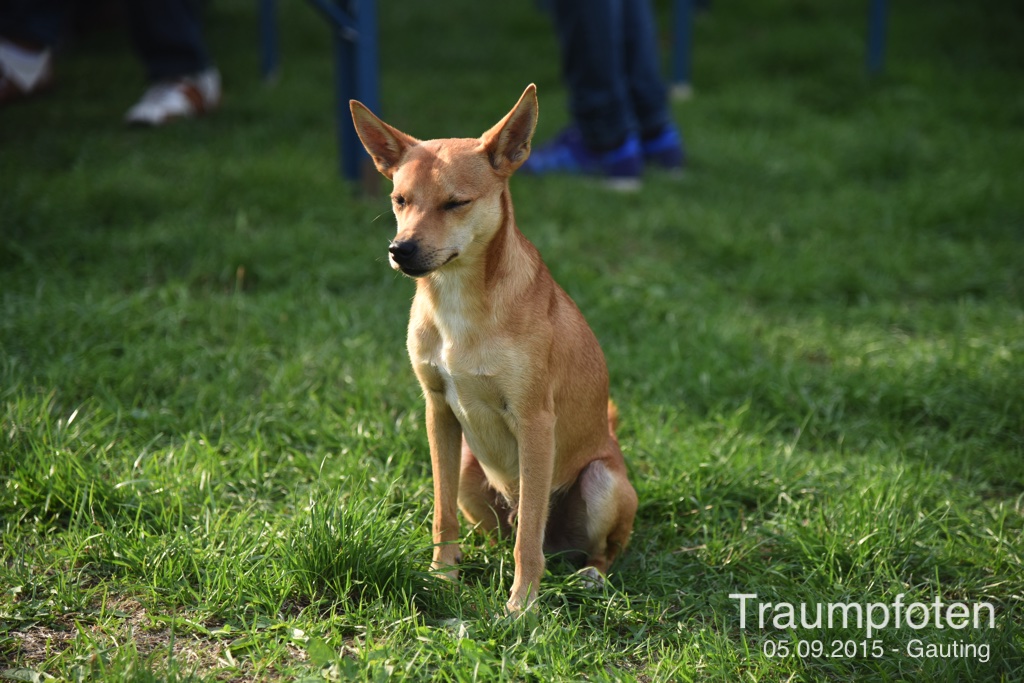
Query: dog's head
(447, 193)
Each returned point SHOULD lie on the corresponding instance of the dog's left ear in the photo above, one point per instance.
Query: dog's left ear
(508, 142)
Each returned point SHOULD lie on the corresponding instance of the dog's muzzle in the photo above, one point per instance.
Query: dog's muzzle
(403, 252)
(408, 257)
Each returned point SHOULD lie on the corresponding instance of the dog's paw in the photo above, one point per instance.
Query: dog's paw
(591, 578)
(446, 561)
(448, 573)
(520, 603)
(447, 570)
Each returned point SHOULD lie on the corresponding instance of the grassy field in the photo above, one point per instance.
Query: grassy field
(212, 453)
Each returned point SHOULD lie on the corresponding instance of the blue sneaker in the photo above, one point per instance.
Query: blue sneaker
(621, 167)
(665, 149)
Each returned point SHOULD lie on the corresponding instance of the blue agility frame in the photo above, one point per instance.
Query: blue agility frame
(682, 43)
(354, 25)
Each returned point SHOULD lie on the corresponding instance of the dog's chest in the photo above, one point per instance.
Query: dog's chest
(478, 383)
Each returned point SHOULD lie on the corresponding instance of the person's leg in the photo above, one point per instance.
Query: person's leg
(168, 35)
(33, 24)
(661, 141)
(603, 140)
(648, 95)
(591, 39)
(29, 29)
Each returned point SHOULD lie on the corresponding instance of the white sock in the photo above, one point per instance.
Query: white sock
(24, 67)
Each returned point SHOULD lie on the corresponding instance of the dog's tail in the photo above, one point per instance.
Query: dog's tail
(613, 417)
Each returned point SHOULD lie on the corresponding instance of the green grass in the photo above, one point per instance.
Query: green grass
(212, 453)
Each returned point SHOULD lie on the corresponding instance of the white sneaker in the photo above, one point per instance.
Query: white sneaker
(182, 99)
(23, 72)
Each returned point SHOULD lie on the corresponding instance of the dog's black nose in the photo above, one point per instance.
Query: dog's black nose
(403, 251)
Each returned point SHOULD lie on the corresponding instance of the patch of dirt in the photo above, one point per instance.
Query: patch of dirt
(157, 645)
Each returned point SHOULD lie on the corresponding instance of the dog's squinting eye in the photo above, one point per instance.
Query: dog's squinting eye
(399, 200)
(455, 204)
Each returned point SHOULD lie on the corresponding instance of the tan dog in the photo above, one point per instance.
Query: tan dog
(513, 377)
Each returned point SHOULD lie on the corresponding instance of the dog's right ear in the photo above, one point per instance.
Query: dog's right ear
(384, 143)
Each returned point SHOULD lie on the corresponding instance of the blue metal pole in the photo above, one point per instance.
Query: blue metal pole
(368, 68)
(356, 75)
(268, 39)
(877, 18)
(682, 49)
(344, 74)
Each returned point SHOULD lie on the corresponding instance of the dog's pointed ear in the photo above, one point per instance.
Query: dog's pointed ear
(508, 142)
(385, 143)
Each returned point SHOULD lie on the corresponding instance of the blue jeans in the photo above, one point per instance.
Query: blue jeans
(611, 66)
(168, 34)
(37, 24)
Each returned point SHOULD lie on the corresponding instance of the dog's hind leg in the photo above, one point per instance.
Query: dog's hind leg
(593, 520)
(480, 503)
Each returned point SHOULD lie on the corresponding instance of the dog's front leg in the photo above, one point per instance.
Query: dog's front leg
(445, 436)
(536, 468)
